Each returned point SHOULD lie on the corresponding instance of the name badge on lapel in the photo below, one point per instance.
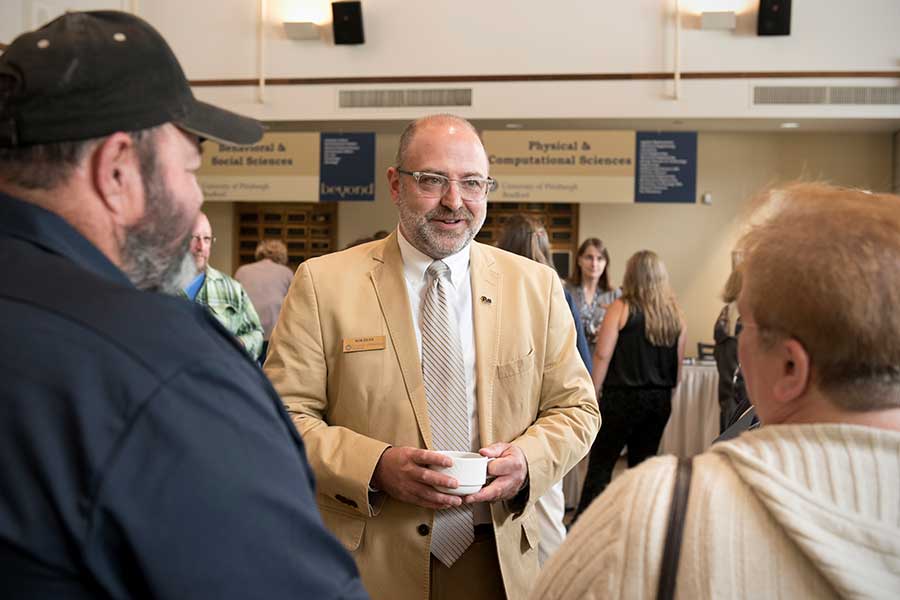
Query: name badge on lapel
(362, 344)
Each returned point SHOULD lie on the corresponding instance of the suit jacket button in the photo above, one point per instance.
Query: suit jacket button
(423, 529)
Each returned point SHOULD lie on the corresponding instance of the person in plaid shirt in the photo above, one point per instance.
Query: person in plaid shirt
(223, 296)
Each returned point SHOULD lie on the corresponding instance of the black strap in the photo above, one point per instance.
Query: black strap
(677, 510)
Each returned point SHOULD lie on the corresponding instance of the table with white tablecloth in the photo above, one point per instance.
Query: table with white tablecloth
(694, 422)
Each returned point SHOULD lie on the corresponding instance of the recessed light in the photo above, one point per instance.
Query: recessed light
(790, 125)
(514, 126)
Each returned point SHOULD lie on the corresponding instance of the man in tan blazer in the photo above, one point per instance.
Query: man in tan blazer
(346, 358)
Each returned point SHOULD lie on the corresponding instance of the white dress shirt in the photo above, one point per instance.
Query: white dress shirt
(415, 264)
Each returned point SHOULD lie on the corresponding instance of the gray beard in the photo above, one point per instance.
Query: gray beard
(178, 279)
(156, 252)
(154, 269)
(432, 243)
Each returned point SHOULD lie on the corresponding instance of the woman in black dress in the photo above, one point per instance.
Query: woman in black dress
(637, 364)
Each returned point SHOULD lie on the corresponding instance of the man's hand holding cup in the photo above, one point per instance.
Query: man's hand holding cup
(411, 475)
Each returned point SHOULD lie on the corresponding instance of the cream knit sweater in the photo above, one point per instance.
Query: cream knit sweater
(791, 511)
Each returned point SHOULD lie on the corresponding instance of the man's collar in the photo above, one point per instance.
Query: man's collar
(36, 225)
(212, 274)
(415, 262)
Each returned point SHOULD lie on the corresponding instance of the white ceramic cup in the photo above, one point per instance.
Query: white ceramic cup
(469, 469)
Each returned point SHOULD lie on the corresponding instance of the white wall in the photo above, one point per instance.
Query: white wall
(217, 39)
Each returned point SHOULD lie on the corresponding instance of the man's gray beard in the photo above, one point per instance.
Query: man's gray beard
(428, 241)
(178, 279)
(155, 257)
(154, 268)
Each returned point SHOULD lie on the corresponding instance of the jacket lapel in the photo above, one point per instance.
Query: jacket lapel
(486, 304)
(393, 298)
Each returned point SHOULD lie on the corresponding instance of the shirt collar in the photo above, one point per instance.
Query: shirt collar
(415, 262)
(47, 230)
(213, 274)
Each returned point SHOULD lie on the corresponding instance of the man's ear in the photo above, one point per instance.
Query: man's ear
(116, 176)
(794, 371)
(393, 176)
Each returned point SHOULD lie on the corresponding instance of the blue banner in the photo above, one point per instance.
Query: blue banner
(666, 167)
(347, 170)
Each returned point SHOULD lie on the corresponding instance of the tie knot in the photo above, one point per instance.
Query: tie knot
(438, 270)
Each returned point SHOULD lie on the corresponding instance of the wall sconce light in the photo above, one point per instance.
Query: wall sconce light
(718, 20)
(301, 30)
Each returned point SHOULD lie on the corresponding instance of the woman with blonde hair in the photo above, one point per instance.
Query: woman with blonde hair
(637, 364)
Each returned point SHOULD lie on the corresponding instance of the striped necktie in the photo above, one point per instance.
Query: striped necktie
(445, 389)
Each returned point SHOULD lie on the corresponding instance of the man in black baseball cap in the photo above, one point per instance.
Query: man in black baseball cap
(86, 75)
(142, 453)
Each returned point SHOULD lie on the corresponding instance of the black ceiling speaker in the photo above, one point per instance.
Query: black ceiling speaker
(347, 22)
(774, 17)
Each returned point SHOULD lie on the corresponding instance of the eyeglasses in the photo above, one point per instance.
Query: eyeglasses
(471, 189)
(204, 239)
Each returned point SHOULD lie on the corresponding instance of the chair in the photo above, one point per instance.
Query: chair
(705, 351)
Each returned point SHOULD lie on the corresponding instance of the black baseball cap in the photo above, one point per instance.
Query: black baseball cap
(89, 74)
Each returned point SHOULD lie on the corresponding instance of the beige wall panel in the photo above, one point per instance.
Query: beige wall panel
(896, 174)
(221, 218)
(695, 240)
(362, 219)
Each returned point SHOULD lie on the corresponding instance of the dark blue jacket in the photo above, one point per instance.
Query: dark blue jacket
(142, 454)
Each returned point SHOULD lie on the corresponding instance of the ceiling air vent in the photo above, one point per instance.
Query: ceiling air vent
(864, 95)
(771, 94)
(401, 98)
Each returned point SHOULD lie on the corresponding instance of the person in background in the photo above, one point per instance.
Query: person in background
(592, 292)
(141, 454)
(378, 235)
(725, 332)
(526, 236)
(808, 505)
(223, 296)
(590, 287)
(637, 364)
(266, 281)
(427, 340)
(744, 417)
(359, 242)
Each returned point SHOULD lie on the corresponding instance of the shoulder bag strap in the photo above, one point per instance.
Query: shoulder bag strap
(677, 512)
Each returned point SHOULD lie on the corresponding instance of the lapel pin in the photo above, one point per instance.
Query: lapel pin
(485, 299)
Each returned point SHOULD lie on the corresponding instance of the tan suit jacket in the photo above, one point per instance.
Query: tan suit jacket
(532, 389)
